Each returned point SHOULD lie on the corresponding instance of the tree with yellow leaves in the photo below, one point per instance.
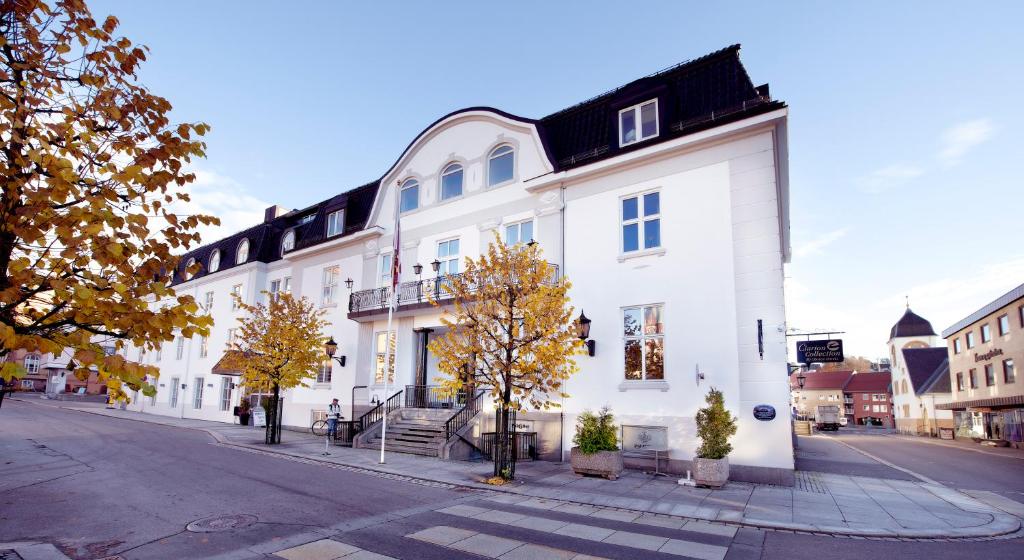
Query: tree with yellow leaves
(510, 333)
(90, 166)
(279, 346)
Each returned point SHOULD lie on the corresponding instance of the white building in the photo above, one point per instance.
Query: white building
(665, 201)
(920, 376)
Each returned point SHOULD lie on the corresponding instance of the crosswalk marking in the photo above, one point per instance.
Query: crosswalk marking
(327, 548)
(490, 546)
(678, 547)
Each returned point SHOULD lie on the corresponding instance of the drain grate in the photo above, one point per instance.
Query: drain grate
(221, 523)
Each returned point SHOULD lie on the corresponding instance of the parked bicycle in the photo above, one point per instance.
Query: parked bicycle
(319, 428)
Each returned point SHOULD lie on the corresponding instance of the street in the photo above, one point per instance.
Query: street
(102, 487)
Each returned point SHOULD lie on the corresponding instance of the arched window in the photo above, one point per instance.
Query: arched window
(242, 255)
(410, 195)
(215, 260)
(187, 274)
(32, 364)
(501, 165)
(451, 181)
(288, 242)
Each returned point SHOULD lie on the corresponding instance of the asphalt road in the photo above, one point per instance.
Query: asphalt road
(101, 487)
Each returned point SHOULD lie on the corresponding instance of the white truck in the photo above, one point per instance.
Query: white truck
(826, 417)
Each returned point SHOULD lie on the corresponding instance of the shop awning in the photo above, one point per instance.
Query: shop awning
(982, 403)
(221, 368)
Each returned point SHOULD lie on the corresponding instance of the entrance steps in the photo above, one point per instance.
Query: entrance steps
(420, 431)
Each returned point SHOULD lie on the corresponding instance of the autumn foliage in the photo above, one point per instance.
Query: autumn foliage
(91, 165)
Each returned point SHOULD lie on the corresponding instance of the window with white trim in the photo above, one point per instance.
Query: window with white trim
(641, 222)
(232, 335)
(208, 302)
(281, 286)
(180, 347)
(970, 339)
(306, 219)
(451, 182)
(643, 332)
(159, 351)
(288, 241)
(225, 394)
(204, 346)
(448, 255)
(173, 399)
(197, 393)
(28, 384)
(638, 122)
(384, 352)
(335, 222)
(323, 373)
(188, 274)
(332, 277)
(31, 363)
(501, 165)
(519, 232)
(236, 297)
(410, 195)
(384, 272)
(242, 254)
(152, 398)
(215, 261)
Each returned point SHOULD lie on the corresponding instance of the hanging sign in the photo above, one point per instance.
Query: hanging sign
(764, 412)
(259, 417)
(811, 351)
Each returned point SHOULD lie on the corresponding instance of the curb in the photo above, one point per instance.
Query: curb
(1002, 524)
(920, 477)
(31, 550)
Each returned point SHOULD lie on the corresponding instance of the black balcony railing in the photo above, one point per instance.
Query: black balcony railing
(410, 293)
(432, 396)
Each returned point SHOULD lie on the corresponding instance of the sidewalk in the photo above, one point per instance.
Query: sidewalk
(820, 502)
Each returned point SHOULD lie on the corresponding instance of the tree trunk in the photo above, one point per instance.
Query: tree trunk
(273, 426)
(504, 446)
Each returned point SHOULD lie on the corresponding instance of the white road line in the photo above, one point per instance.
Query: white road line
(918, 476)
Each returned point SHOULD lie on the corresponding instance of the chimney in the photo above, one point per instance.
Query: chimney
(273, 212)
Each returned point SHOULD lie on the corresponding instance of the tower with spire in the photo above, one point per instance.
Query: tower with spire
(920, 375)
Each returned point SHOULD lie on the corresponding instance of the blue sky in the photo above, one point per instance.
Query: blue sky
(905, 141)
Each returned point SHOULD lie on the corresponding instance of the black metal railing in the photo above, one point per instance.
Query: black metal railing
(524, 444)
(409, 293)
(433, 396)
(464, 415)
(376, 414)
(347, 432)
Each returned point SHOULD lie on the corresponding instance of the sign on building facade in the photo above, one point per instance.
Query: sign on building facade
(811, 351)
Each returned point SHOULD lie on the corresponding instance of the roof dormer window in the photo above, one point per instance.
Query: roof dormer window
(215, 261)
(638, 123)
(288, 242)
(335, 223)
(306, 219)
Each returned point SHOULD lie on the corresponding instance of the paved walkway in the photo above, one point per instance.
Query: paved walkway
(820, 502)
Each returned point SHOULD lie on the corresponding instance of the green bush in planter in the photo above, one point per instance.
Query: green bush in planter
(596, 432)
(715, 425)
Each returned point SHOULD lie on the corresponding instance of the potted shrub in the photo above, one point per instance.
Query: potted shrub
(715, 425)
(596, 445)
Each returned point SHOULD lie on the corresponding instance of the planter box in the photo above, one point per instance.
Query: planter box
(713, 473)
(603, 463)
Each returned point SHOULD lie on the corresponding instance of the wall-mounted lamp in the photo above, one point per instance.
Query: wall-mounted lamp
(348, 284)
(330, 348)
(417, 268)
(801, 379)
(583, 332)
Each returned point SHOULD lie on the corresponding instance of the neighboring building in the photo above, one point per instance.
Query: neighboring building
(986, 350)
(665, 201)
(867, 400)
(916, 387)
(820, 387)
(48, 373)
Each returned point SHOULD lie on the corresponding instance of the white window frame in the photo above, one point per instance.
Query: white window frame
(449, 170)
(335, 223)
(188, 264)
(641, 221)
(491, 157)
(636, 110)
(384, 270)
(380, 357)
(519, 231)
(180, 349)
(307, 218)
(444, 269)
(31, 363)
(159, 351)
(215, 261)
(204, 346)
(232, 335)
(406, 185)
(208, 301)
(225, 394)
(986, 333)
(197, 392)
(236, 290)
(643, 338)
(969, 337)
(242, 252)
(331, 279)
(325, 372)
(28, 384)
(288, 241)
(172, 399)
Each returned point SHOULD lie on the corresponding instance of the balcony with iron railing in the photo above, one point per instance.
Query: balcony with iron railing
(411, 295)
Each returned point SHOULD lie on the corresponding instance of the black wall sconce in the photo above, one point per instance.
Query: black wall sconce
(583, 332)
(330, 348)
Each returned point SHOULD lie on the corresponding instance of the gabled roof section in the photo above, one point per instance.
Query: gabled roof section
(692, 96)
(911, 324)
(822, 380)
(922, 364)
(869, 382)
(993, 306)
(939, 381)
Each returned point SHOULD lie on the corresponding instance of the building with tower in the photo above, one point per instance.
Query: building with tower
(920, 376)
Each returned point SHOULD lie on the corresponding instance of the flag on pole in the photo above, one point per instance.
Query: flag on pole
(396, 260)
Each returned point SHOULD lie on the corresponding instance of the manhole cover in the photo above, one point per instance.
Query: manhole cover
(221, 523)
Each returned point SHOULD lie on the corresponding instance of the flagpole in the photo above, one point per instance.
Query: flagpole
(392, 350)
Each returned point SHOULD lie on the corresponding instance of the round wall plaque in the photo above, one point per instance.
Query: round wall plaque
(764, 412)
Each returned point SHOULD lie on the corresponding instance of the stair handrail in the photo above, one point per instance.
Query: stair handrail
(376, 414)
(462, 417)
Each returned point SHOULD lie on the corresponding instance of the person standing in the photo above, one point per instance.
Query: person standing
(333, 415)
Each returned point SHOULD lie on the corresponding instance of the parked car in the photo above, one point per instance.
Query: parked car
(826, 417)
(843, 421)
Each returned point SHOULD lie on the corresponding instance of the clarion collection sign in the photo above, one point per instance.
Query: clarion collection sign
(811, 351)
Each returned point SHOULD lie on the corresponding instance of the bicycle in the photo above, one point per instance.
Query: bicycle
(319, 428)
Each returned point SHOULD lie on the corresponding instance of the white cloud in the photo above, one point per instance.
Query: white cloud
(889, 177)
(221, 196)
(961, 138)
(814, 246)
